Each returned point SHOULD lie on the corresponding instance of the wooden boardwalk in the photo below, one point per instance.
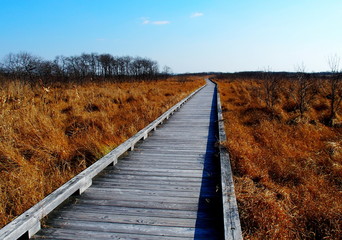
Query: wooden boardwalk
(167, 188)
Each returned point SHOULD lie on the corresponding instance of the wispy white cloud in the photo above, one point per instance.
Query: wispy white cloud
(196, 14)
(147, 21)
(161, 22)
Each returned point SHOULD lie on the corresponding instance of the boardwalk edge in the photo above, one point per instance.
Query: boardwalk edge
(231, 219)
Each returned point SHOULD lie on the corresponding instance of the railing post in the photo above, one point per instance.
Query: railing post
(87, 182)
(34, 229)
(115, 161)
(145, 136)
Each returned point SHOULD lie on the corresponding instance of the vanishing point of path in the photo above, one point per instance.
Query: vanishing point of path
(167, 188)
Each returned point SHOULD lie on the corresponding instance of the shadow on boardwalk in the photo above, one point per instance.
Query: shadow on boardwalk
(210, 200)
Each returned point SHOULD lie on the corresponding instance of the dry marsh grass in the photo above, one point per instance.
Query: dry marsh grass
(49, 134)
(287, 170)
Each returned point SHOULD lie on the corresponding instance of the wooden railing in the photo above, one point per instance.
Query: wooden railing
(231, 220)
(28, 223)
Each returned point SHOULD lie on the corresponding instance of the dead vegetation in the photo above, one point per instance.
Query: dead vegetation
(48, 134)
(286, 158)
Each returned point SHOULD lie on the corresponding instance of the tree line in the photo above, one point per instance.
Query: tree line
(25, 66)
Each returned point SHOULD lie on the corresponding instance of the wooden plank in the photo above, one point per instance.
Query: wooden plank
(165, 187)
(178, 141)
(138, 220)
(142, 195)
(70, 234)
(79, 226)
(161, 174)
(92, 207)
(196, 183)
(199, 158)
(187, 172)
(146, 182)
(132, 211)
(166, 164)
(156, 192)
(182, 148)
(176, 154)
(195, 174)
(156, 178)
(155, 164)
(149, 204)
(176, 149)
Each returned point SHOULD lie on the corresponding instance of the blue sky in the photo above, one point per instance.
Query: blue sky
(186, 35)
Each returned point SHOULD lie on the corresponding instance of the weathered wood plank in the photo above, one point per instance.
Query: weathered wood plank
(148, 163)
(149, 204)
(138, 193)
(165, 164)
(165, 187)
(210, 174)
(133, 211)
(138, 220)
(198, 158)
(131, 197)
(177, 181)
(79, 226)
(70, 234)
(156, 178)
(162, 173)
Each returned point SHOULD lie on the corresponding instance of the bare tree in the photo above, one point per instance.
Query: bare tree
(61, 67)
(21, 65)
(335, 87)
(105, 61)
(167, 70)
(270, 84)
(306, 90)
(45, 70)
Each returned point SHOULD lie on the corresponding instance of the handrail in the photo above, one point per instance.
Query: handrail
(231, 219)
(28, 223)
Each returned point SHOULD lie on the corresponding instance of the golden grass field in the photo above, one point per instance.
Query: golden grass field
(49, 134)
(287, 170)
